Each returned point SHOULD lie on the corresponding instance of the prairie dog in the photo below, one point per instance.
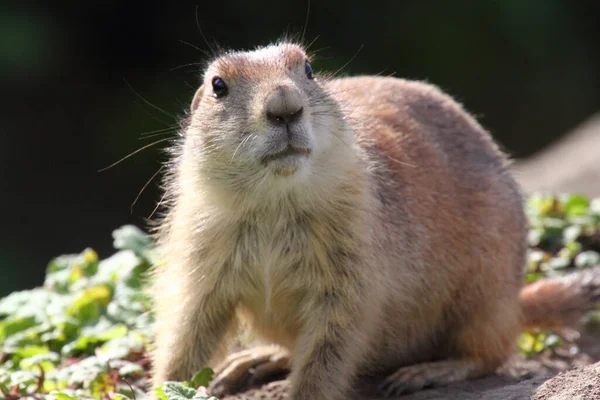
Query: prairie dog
(367, 225)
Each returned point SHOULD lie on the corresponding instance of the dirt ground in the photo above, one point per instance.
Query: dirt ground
(570, 372)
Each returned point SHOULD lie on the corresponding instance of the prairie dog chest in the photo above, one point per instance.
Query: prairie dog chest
(271, 260)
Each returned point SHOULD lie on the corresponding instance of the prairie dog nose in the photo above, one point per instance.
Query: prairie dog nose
(284, 105)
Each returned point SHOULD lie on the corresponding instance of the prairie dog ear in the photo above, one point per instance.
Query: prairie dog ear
(197, 98)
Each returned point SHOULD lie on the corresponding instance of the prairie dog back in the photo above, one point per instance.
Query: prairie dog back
(365, 225)
(451, 225)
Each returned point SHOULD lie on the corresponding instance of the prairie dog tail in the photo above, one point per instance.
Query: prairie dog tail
(560, 302)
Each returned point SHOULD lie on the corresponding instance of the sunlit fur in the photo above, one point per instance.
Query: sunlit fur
(400, 238)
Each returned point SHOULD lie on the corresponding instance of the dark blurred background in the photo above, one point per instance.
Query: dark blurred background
(78, 80)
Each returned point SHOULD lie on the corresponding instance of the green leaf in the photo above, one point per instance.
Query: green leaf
(30, 303)
(101, 385)
(571, 233)
(89, 305)
(555, 224)
(202, 377)
(576, 205)
(595, 206)
(124, 266)
(60, 396)
(574, 248)
(120, 396)
(534, 237)
(131, 369)
(45, 360)
(120, 347)
(160, 393)
(559, 262)
(10, 326)
(179, 391)
(130, 237)
(65, 270)
(534, 276)
(531, 343)
(116, 331)
(30, 351)
(587, 259)
(540, 205)
(552, 341)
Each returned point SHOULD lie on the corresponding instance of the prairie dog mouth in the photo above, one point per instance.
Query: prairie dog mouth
(288, 151)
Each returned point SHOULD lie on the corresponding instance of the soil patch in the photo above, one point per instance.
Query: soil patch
(567, 372)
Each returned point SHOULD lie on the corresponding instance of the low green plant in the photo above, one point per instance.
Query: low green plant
(564, 235)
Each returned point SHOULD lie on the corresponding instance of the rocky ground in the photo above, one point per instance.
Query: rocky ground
(571, 372)
(572, 164)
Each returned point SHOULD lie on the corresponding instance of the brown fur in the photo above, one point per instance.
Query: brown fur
(398, 240)
(555, 303)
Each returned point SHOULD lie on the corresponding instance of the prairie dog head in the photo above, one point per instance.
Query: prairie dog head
(261, 121)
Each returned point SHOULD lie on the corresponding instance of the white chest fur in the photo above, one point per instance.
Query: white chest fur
(272, 263)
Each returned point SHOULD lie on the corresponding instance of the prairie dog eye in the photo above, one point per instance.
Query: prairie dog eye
(219, 87)
(308, 70)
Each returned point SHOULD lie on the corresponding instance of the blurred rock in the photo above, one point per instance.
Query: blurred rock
(571, 164)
